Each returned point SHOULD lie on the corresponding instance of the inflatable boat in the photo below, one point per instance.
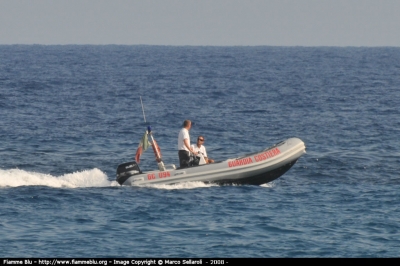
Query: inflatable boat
(251, 169)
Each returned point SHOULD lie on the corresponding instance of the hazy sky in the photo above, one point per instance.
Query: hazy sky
(201, 22)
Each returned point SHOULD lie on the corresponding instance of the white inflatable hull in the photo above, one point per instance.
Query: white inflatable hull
(252, 169)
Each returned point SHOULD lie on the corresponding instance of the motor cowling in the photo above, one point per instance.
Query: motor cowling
(126, 170)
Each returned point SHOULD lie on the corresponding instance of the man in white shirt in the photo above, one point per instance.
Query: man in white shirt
(199, 147)
(184, 148)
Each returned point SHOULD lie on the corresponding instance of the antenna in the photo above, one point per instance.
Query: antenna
(144, 117)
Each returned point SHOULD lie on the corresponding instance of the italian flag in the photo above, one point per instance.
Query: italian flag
(143, 145)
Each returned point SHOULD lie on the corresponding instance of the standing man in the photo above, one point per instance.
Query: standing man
(184, 148)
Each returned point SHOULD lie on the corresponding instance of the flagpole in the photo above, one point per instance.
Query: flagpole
(144, 117)
(142, 146)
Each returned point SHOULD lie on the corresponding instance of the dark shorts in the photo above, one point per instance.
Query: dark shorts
(184, 158)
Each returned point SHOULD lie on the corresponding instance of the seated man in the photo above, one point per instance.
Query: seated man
(201, 149)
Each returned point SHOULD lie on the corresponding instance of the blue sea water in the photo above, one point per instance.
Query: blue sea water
(71, 114)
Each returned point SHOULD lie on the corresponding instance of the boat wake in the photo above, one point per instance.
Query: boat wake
(86, 178)
(196, 184)
(272, 184)
(183, 185)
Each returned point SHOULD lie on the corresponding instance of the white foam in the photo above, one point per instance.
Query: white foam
(196, 184)
(184, 185)
(86, 178)
(267, 185)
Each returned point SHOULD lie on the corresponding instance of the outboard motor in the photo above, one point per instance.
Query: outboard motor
(126, 170)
